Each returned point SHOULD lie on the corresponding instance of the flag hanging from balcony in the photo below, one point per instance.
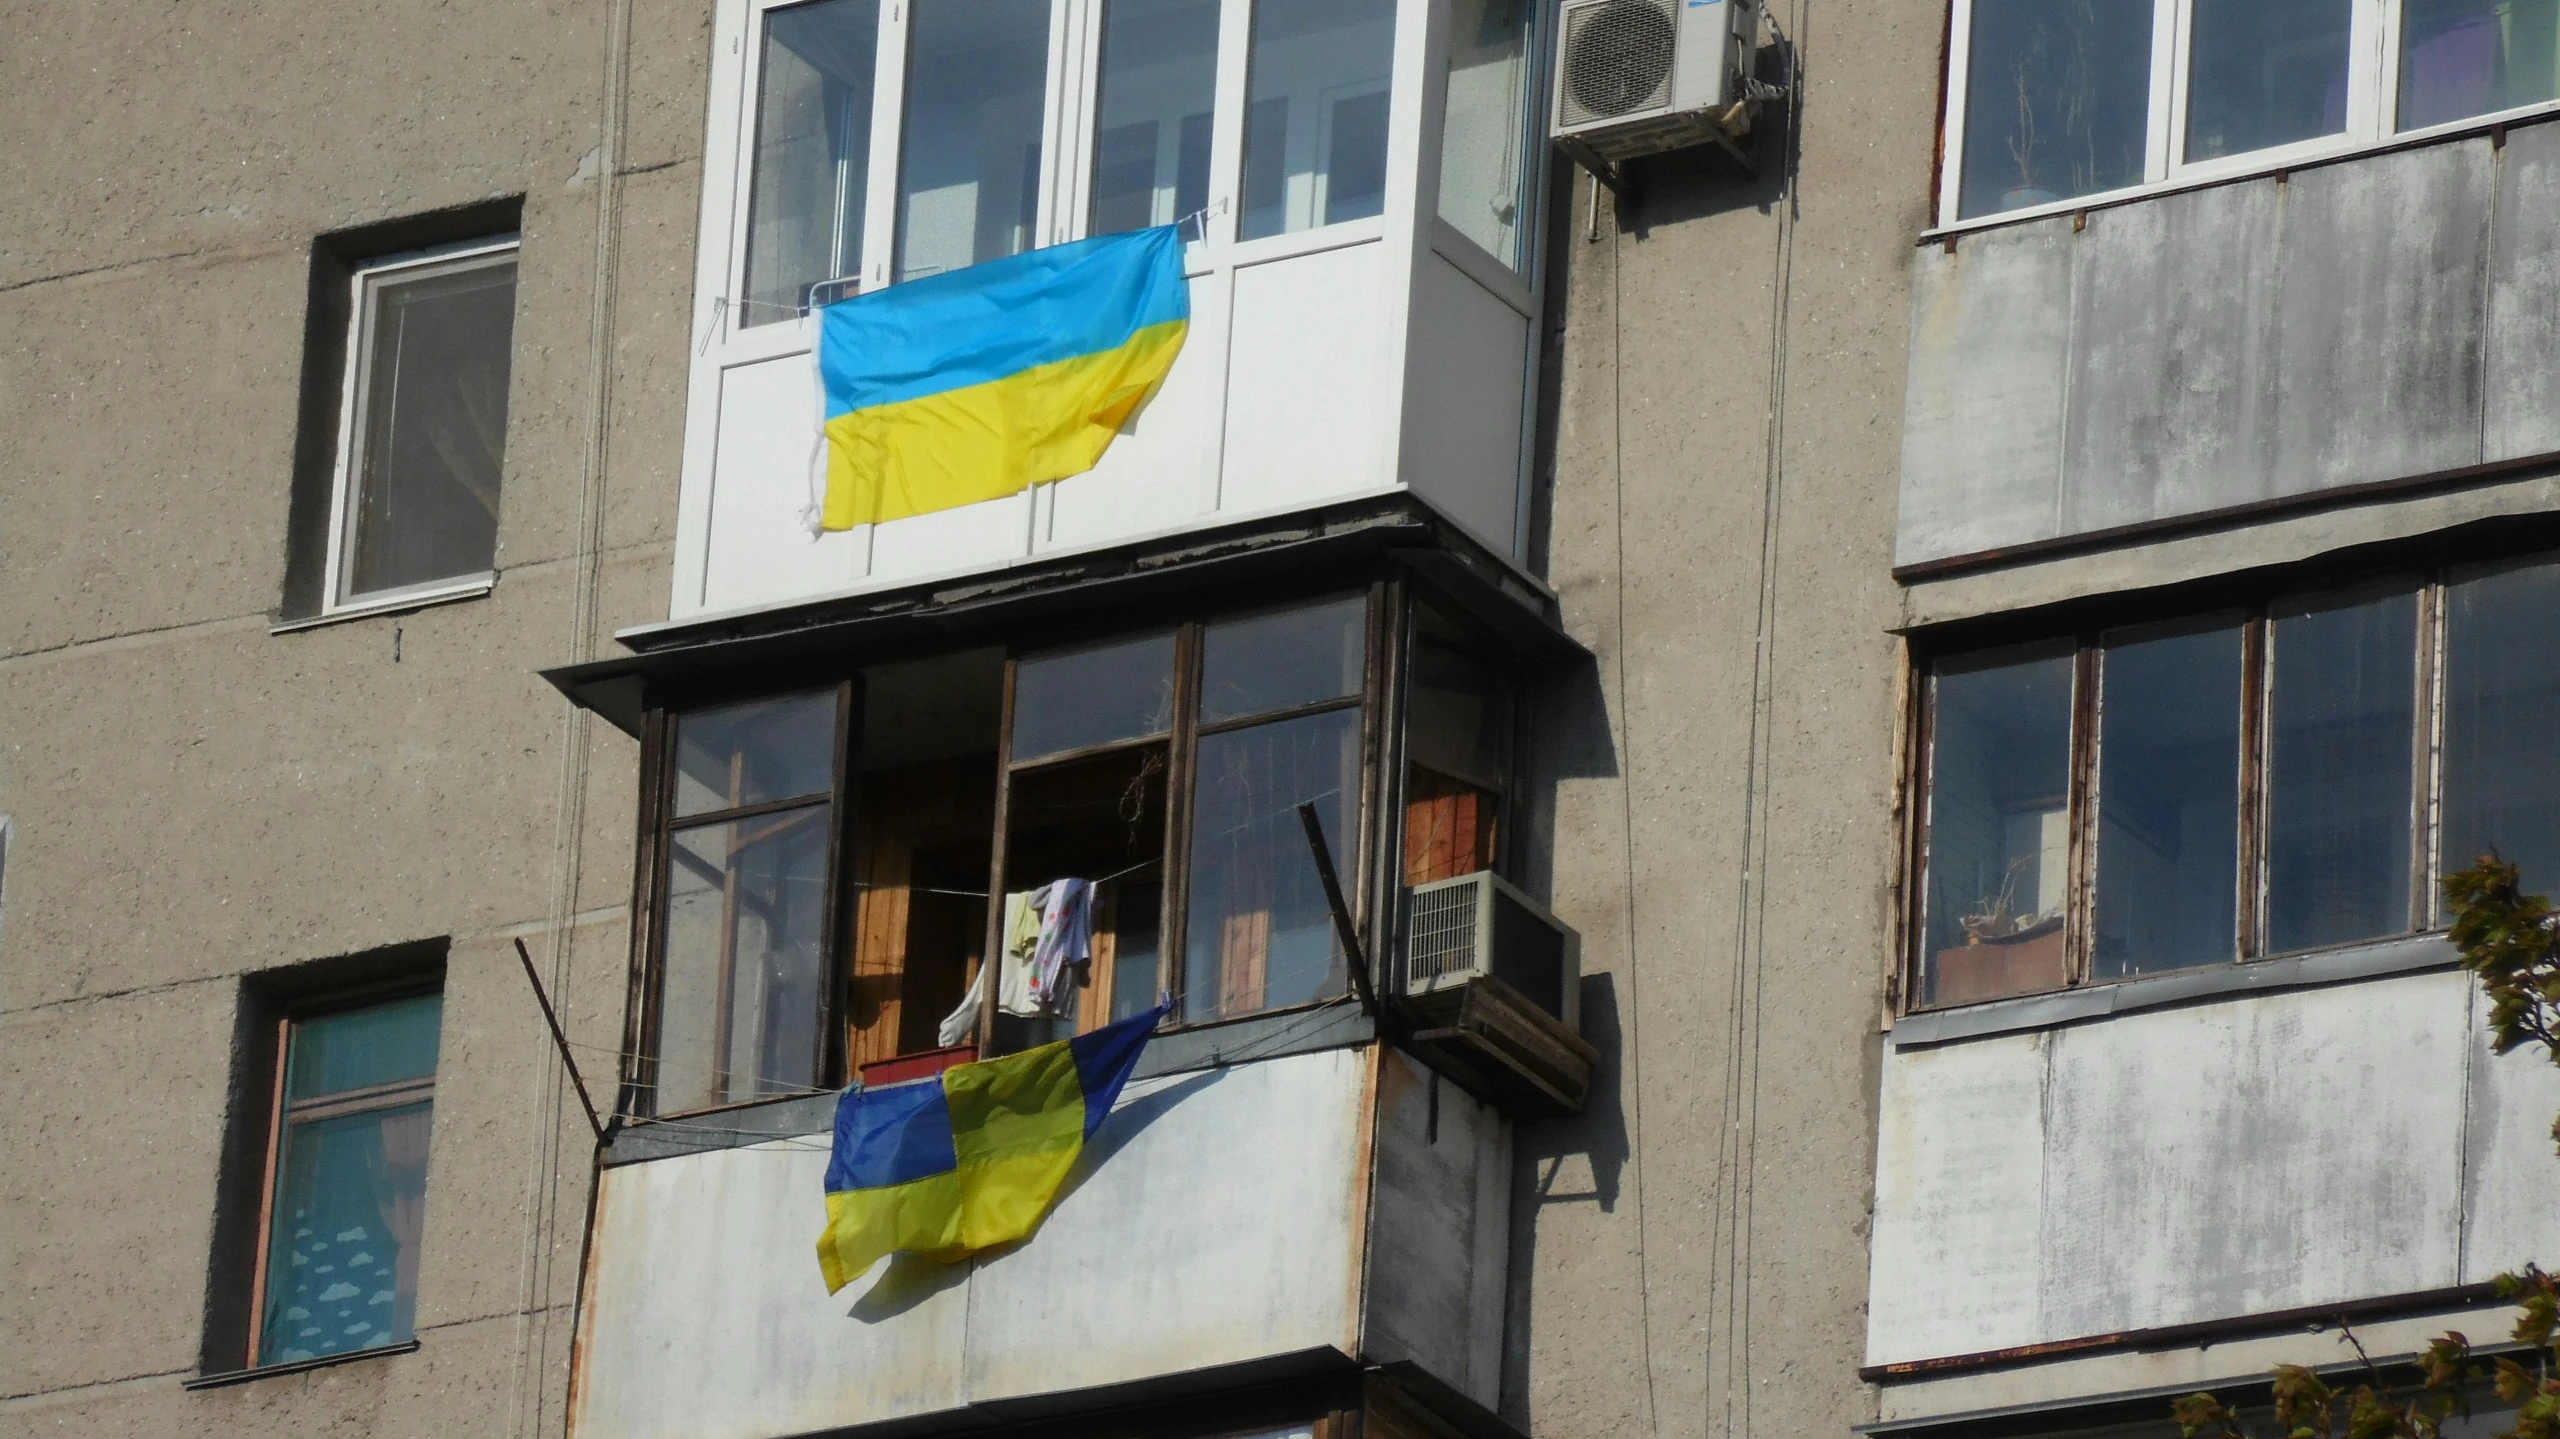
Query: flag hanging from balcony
(977, 383)
(972, 1159)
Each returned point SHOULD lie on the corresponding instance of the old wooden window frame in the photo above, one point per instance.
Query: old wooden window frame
(2372, 109)
(1371, 880)
(281, 1110)
(2427, 583)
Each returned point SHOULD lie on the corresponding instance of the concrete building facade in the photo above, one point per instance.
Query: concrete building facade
(1754, 561)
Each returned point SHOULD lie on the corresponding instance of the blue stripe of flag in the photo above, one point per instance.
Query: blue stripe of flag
(889, 1136)
(967, 327)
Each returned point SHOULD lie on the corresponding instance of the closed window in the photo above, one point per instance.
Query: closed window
(346, 1205)
(2055, 102)
(1315, 141)
(2231, 786)
(422, 429)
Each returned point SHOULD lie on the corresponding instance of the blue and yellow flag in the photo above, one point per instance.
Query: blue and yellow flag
(974, 384)
(972, 1160)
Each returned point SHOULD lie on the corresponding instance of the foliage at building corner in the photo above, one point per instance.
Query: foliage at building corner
(2511, 940)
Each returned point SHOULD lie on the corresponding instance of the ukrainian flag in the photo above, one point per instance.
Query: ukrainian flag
(974, 384)
(972, 1160)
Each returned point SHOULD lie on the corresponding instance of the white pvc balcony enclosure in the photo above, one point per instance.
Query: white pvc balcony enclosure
(1358, 181)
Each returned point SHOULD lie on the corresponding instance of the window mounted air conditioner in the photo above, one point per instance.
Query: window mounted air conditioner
(1457, 930)
(1636, 77)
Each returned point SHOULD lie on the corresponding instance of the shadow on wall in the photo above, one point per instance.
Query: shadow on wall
(1575, 1160)
(1703, 180)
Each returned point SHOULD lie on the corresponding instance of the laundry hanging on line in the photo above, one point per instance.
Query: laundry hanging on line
(1044, 931)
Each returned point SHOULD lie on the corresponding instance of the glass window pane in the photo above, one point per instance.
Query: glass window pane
(2265, 72)
(1072, 699)
(969, 168)
(342, 1262)
(2341, 723)
(361, 1048)
(1315, 144)
(2502, 723)
(1260, 934)
(812, 155)
(1999, 824)
(2168, 803)
(1458, 715)
(425, 505)
(745, 959)
(1159, 83)
(1277, 661)
(2057, 101)
(2460, 58)
(1484, 170)
(1137, 962)
(756, 752)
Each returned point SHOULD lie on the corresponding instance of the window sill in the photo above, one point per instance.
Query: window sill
(2242, 169)
(469, 587)
(1332, 1024)
(299, 1366)
(2407, 954)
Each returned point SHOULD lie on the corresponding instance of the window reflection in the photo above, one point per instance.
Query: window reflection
(1315, 146)
(2460, 58)
(1159, 84)
(812, 153)
(1074, 699)
(1999, 826)
(2168, 802)
(1484, 128)
(2342, 720)
(751, 753)
(2264, 73)
(1261, 935)
(969, 174)
(1263, 663)
(745, 946)
(2057, 101)
(2502, 723)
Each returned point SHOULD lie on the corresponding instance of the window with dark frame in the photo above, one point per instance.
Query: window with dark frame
(2234, 785)
(1163, 767)
(345, 1191)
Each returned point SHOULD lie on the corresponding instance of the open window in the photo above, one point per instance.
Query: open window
(895, 868)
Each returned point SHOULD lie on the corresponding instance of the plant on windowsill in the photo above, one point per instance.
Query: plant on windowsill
(2004, 952)
(2511, 940)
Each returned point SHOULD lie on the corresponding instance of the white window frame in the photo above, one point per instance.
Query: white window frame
(2373, 105)
(363, 289)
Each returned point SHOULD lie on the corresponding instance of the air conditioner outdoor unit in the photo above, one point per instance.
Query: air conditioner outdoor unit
(1635, 77)
(1460, 929)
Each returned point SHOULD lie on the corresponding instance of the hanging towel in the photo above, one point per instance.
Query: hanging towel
(1066, 937)
(1024, 914)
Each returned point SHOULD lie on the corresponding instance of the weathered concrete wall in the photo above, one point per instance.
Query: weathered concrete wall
(1689, 1255)
(2265, 1153)
(197, 799)
(2370, 320)
(1179, 1246)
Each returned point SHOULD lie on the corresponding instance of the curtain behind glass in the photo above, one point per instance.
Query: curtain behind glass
(1485, 125)
(969, 168)
(1159, 85)
(2057, 101)
(425, 504)
(812, 154)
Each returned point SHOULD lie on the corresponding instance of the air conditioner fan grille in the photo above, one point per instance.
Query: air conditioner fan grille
(1618, 56)
(1440, 932)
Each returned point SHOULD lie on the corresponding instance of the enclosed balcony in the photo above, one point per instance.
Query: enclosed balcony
(1357, 183)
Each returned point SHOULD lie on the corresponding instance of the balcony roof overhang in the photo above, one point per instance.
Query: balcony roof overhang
(1075, 596)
